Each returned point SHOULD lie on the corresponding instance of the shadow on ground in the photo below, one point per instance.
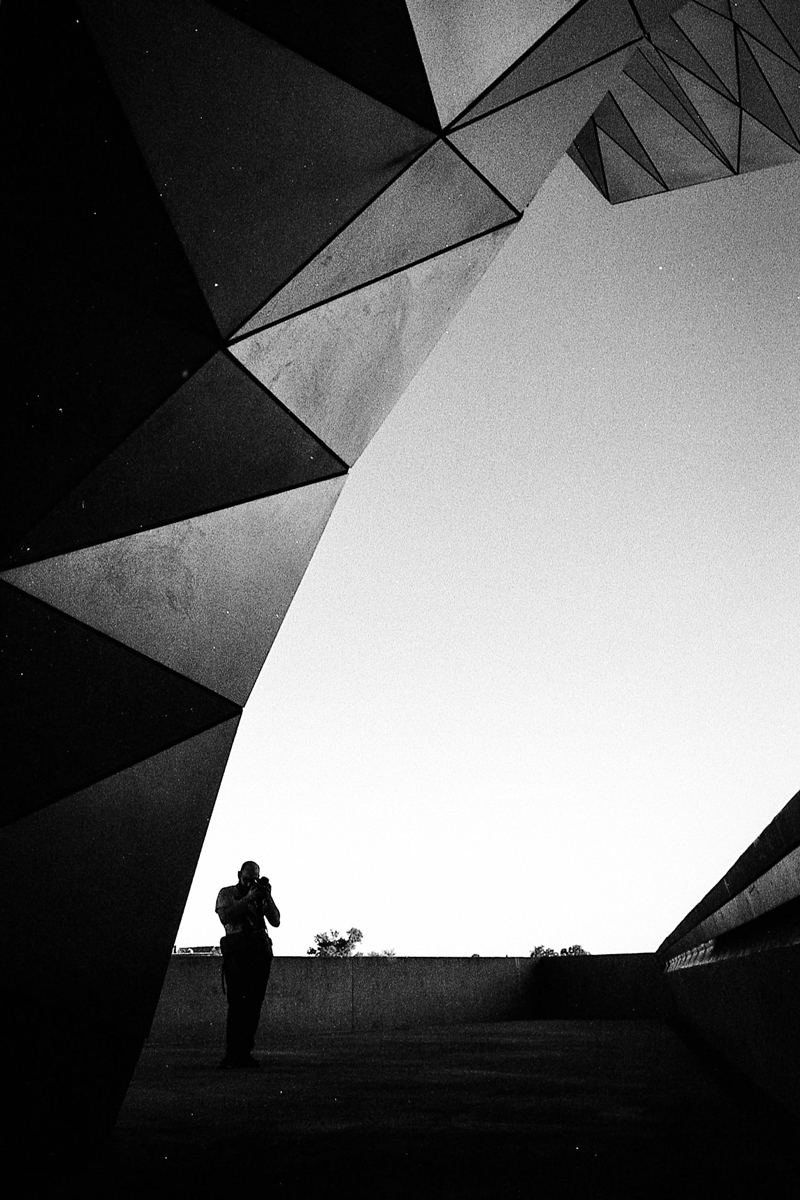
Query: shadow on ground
(517, 1109)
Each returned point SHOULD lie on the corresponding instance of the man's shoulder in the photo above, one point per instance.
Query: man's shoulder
(226, 896)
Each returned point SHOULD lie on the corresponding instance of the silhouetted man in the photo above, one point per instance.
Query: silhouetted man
(247, 958)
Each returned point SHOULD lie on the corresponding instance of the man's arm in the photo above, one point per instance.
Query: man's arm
(271, 910)
(232, 910)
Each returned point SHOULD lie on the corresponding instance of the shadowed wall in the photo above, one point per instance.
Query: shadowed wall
(732, 966)
(317, 995)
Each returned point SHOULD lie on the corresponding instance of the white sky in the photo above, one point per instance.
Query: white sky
(541, 682)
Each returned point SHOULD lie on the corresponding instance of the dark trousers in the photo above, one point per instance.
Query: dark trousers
(247, 968)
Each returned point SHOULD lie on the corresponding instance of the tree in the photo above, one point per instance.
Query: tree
(333, 945)
(379, 954)
(548, 952)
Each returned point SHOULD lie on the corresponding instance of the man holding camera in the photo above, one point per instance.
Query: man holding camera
(246, 959)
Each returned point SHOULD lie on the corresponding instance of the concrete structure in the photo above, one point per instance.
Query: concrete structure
(712, 93)
(207, 324)
(733, 964)
(340, 995)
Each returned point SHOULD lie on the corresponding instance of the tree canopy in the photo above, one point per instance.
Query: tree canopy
(548, 952)
(333, 945)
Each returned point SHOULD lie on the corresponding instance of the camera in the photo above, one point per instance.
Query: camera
(262, 885)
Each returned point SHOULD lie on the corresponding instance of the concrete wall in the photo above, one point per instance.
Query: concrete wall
(762, 878)
(317, 995)
(745, 1008)
(600, 986)
(733, 963)
(312, 995)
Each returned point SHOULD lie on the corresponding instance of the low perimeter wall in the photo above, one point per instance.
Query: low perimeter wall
(732, 966)
(318, 995)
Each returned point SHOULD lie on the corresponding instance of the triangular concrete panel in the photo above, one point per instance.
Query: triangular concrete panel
(722, 7)
(590, 32)
(467, 44)
(654, 75)
(712, 34)
(114, 863)
(626, 179)
(435, 204)
(758, 97)
(670, 40)
(585, 153)
(762, 148)
(782, 79)
(79, 706)
(517, 147)
(257, 153)
(720, 115)
(609, 118)
(784, 14)
(680, 158)
(371, 45)
(341, 367)
(220, 440)
(653, 12)
(753, 17)
(206, 596)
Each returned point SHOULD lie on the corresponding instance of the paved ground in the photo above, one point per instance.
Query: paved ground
(519, 1109)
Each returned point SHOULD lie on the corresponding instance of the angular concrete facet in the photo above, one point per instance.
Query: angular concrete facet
(467, 44)
(435, 204)
(591, 32)
(517, 147)
(205, 596)
(219, 441)
(713, 36)
(112, 865)
(761, 148)
(625, 178)
(782, 79)
(719, 115)
(258, 154)
(98, 884)
(680, 159)
(757, 94)
(79, 706)
(342, 367)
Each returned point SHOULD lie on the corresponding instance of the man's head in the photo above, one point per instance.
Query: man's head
(249, 873)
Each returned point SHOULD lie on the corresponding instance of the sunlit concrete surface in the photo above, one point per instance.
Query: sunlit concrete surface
(514, 1109)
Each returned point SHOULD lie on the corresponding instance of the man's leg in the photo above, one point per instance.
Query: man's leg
(237, 1024)
(254, 998)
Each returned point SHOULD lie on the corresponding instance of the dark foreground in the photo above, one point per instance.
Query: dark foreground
(545, 1109)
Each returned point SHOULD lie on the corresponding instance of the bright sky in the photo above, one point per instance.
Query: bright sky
(541, 682)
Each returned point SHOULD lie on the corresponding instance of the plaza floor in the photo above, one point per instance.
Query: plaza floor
(517, 1109)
